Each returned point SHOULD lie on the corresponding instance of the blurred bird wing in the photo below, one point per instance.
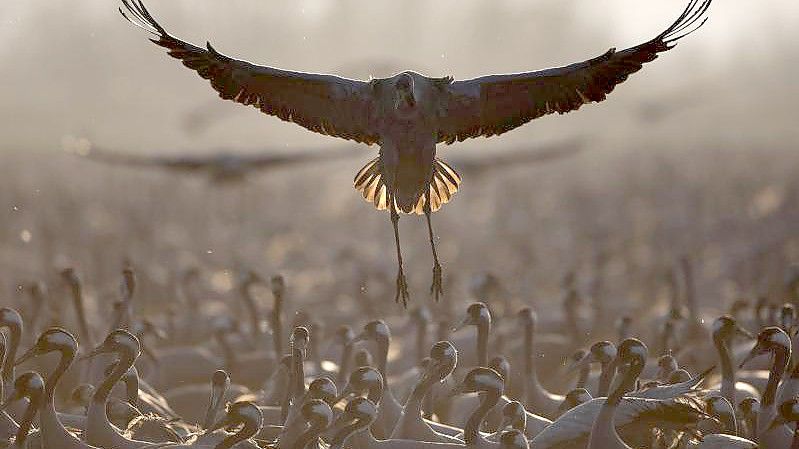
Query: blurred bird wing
(178, 162)
(270, 160)
(494, 104)
(325, 104)
(518, 157)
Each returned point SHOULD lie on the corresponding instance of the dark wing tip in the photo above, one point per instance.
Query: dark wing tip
(686, 23)
(138, 15)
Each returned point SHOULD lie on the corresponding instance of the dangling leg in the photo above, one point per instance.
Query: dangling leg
(437, 287)
(402, 284)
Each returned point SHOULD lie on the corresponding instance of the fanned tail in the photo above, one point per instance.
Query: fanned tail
(369, 181)
(444, 183)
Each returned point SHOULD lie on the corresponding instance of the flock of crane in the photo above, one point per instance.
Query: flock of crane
(218, 376)
(217, 372)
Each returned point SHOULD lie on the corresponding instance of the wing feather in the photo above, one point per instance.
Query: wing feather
(495, 104)
(325, 104)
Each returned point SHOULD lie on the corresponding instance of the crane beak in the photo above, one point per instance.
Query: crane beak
(160, 334)
(358, 338)
(756, 351)
(32, 352)
(345, 394)
(458, 390)
(579, 364)
(102, 349)
(744, 333)
(464, 322)
(428, 372)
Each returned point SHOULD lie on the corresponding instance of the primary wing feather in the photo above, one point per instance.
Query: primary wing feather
(495, 104)
(325, 104)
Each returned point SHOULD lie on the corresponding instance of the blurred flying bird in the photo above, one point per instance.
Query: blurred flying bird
(408, 114)
(220, 167)
(229, 167)
(517, 157)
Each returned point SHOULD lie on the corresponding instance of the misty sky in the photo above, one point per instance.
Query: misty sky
(78, 69)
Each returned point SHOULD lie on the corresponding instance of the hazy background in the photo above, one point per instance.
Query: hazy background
(695, 155)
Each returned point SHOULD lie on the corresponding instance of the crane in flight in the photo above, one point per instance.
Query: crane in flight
(221, 167)
(407, 115)
(225, 167)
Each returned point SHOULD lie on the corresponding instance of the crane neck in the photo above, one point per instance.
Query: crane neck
(582, 379)
(778, 367)
(420, 390)
(67, 356)
(309, 435)
(15, 334)
(382, 356)
(529, 338)
(483, 330)
(53, 432)
(227, 351)
(421, 339)
(244, 433)
(471, 432)
(122, 366)
(277, 325)
(252, 307)
(727, 369)
(215, 405)
(344, 364)
(298, 374)
(608, 371)
(80, 310)
(28, 417)
(690, 290)
(359, 428)
(629, 376)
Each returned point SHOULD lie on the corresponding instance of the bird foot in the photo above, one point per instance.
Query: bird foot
(437, 287)
(402, 289)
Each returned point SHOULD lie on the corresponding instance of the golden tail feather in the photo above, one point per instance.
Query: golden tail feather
(443, 185)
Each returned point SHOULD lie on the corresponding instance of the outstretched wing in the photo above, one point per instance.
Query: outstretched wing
(495, 104)
(263, 161)
(186, 163)
(518, 157)
(325, 104)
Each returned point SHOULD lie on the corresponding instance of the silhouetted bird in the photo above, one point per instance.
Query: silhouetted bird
(221, 167)
(230, 168)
